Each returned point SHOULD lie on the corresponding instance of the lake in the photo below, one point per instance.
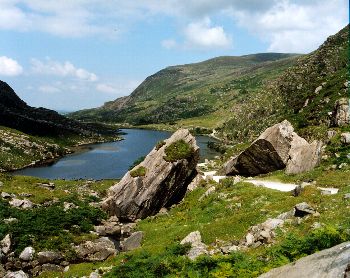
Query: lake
(109, 160)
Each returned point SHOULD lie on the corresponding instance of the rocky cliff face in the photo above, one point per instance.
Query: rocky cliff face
(15, 113)
(161, 180)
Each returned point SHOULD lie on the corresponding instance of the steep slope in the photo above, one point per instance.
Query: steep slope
(304, 94)
(192, 90)
(15, 113)
(31, 135)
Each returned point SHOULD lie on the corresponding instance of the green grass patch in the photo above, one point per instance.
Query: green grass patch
(138, 172)
(178, 150)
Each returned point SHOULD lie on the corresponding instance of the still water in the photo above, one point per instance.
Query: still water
(109, 160)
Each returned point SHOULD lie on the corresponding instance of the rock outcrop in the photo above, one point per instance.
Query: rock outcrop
(329, 263)
(156, 182)
(341, 113)
(278, 147)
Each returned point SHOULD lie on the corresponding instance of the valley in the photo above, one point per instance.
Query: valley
(270, 190)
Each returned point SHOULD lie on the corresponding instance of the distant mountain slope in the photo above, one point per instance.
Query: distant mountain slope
(305, 94)
(16, 114)
(192, 90)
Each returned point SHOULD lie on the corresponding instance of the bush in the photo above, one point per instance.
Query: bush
(48, 227)
(138, 172)
(178, 150)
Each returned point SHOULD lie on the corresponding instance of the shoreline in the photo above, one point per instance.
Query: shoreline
(75, 149)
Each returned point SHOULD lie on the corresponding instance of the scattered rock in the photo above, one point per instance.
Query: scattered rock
(5, 244)
(27, 254)
(109, 228)
(97, 250)
(49, 257)
(6, 195)
(278, 147)
(50, 185)
(195, 183)
(331, 134)
(341, 115)
(207, 193)
(18, 203)
(197, 246)
(347, 196)
(331, 262)
(132, 242)
(345, 138)
(51, 268)
(303, 209)
(161, 183)
(318, 89)
(16, 274)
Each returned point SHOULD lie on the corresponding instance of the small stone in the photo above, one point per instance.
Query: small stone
(303, 209)
(5, 244)
(16, 274)
(27, 254)
(193, 238)
(347, 196)
(132, 242)
(318, 89)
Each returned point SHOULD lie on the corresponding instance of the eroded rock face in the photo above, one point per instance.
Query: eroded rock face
(331, 262)
(278, 147)
(341, 114)
(162, 184)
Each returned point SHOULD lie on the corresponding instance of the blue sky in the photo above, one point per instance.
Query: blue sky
(75, 54)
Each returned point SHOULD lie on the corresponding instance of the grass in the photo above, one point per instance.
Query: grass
(219, 217)
(138, 172)
(178, 150)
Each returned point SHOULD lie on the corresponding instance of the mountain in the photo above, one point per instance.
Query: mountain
(16, 114)
(193, 90)
(239, 97)
(304, 94)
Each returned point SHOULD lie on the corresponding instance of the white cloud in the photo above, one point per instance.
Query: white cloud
(65, 69)
(203, 35)
(9, 67)
(290, 26)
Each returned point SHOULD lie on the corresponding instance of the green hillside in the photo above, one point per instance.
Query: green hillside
(194, 90)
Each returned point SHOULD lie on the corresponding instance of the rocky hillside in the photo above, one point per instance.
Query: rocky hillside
(305, 94)
(193, 90)
(29, 136)
(16, 114)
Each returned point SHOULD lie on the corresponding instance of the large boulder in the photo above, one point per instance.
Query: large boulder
(341, 114)
(159, 181)
(276, 148)
(332, 263)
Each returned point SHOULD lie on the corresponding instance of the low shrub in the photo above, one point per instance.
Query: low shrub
(138, 172)
(178, 150)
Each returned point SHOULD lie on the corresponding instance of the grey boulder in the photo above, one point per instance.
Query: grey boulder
(97, 250)
(278, 147)
(162, 184)
(132, 242)
(329, 263)
(341, 114)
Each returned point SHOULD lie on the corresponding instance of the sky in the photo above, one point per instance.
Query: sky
(74, 54)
